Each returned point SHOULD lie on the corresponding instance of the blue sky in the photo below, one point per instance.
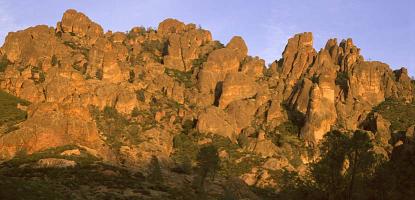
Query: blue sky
(383, 29)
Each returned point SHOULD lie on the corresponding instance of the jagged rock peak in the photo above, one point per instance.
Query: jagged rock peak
(79, 24)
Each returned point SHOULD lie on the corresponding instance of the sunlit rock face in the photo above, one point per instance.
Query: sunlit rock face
(160, 81)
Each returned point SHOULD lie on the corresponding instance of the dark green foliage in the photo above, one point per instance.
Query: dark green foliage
(229, 167)
(54, 60)
(155, 175)
(135, 112)
(132, 76)
(81, 69)
(400, 114)
(182, 77)
(208, 162)
(99, 74)
(140, 94)
(188, 125)
(117, 129)
(330, 177)
(20, 189)
(153, 46)
(70, 44)
(197, 63)
(37, 71)
(9, 113)
(342, 80)
(185, 148)
(4, 62)
(17, 182)
(395, 179)
(288, 128)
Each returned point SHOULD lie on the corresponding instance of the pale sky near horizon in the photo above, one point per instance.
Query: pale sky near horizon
(383, 29)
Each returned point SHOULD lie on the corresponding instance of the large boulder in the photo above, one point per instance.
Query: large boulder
(216, 121)
(219, 63)
(171, 26)
(237, 86)
(238, 44)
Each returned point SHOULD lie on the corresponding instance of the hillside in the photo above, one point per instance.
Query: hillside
(174, 114)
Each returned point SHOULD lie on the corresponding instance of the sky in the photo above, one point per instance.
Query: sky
(383, 29)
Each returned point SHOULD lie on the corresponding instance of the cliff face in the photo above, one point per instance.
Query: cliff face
(160, 80)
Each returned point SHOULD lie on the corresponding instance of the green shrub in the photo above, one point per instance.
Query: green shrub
(135, 112)
(400, 114)
(4, 62)
(153, 46)
(9, 113)
(342, 79)
(70, 44)
(99, 74)
(140, 94)
(40, 73)
(288, 128)
(54, 60)
(132, 76)
(117, 129)
(185, 148)
(155, 175)
(182, 77)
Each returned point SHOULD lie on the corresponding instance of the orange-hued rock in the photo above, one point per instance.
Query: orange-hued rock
(79, 24)
(171, 26)
(238, 45)
(237, 86)
(216, 121)
(53, 125)
(184, 48)
(296, 59)
(177, 80)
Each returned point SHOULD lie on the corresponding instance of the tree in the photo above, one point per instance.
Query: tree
(362, 162)
(347, 164)
(155, 175)
(327, 172)
(208, 162)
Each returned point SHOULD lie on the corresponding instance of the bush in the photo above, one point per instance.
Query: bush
(40, 73)
(400, 114)
(342, 79)
(155, 175)
(132, 76)
(9, 113)
(4, 62)
(182, 77)
(185, 148)
(54, 60)
(140, 95)
(117, 129)
(135, 112)
(99, 74)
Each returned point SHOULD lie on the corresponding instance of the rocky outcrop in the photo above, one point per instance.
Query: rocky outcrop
(79, 24)
(177, 79)
(216, 121)
(52, 125)
(297, 57)
(185, 48)
(237, 86)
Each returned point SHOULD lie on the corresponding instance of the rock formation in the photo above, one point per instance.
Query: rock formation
(126, 96)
